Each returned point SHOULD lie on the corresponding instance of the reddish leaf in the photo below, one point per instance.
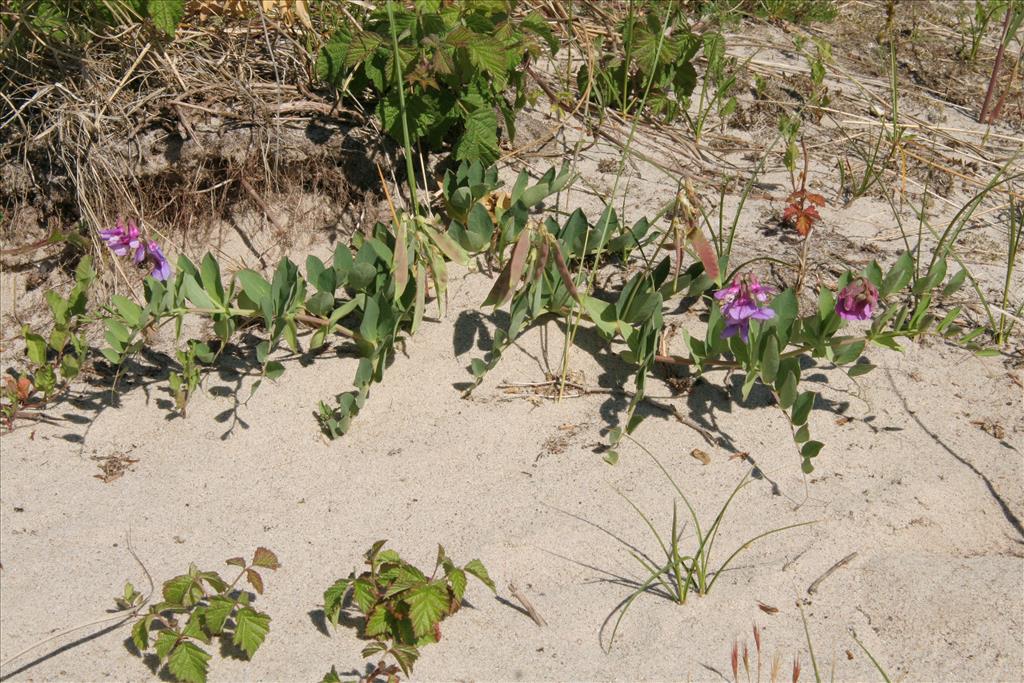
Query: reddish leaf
(266, 558)
(815, 198)
(705, 252)
(237, 561)
(255, 580)
(563, 270)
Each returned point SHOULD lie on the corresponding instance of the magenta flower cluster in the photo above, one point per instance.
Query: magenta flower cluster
(744, 300)
(126, 240)
(858, 300)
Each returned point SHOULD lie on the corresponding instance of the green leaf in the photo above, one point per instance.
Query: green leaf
(217, 612)
(195, 293)
(273, 370)
(182, 590)
(955, 283)
(166, 639)
(166, 14)
(188, 663)
(254, 286)
(427, 605)
(210, 274)
(140, 634)
(36, 347)
(331, 676)
(334, 597)
(770, 360)
(480, 137)
(898, 277)
(129, 310)
(364, 594)
(787, 390)
(860, 369)
(251, 628)
(477, 569)
(457, 577)
(802, 407)
(811, 449)
(406, 656)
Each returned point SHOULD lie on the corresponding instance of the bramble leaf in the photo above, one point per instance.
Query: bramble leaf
(217, 613)
(477, 569)
(427, 605)
(255, 580)
(251, 628)
(188, 663)
(265, 558)
(166, 14)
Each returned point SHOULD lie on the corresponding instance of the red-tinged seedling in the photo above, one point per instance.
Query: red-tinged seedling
(402, 607)
(197, 607)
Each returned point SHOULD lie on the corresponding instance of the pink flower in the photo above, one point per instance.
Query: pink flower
(125, 240)
(858, 300)
(161, 267)
(744, 300)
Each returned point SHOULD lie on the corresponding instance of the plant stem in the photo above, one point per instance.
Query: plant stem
(993, 80)
(410, 170)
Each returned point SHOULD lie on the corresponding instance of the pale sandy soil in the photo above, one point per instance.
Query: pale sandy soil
(921, 481)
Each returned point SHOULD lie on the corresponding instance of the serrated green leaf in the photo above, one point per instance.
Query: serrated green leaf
(480, 137)
(166, 639)
(331, 676)
(140, 634)
(251, 628)
(364, 594)
(182, 590)
(477, 569)
(217, 612)
(188, 663)
(166, 15)
(334, 597)
(406, 656)
(457, 577)
(427, 605)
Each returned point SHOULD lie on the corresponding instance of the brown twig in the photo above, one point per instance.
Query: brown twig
(537, 618)
(813, 588)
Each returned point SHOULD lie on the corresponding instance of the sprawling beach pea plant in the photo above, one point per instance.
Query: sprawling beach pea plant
(750, 328)
(376, 290)
(56, 359)
(460, 61)
(403, 607)
(210, 607)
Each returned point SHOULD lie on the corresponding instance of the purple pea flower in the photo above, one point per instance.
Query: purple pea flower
(161, 267)
(123, 239)
(744, 300)
(858, 300)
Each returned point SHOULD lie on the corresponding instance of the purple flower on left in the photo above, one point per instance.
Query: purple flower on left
(125, 239)
(744, 300)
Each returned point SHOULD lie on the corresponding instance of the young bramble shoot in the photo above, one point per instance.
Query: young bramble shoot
(402, 607)
(210, 607)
